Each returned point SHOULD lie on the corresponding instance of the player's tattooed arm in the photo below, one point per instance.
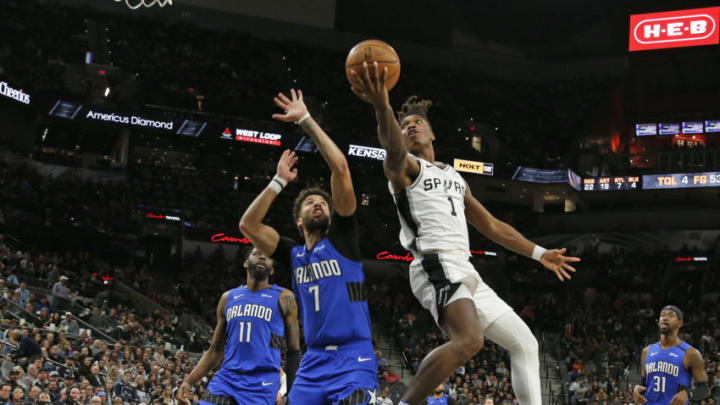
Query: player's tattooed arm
(212, 357)
(289, 307)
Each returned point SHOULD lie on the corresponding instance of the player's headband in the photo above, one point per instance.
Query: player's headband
(675, 309)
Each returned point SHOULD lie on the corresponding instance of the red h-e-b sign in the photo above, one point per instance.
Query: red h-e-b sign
(674, 29)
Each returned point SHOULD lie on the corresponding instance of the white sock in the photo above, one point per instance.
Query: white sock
(510, 332)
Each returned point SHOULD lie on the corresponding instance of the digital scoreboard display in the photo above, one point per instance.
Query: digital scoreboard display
(693, 127)
(680, 180)
(669, 128)
(614, 183)
(646, 129)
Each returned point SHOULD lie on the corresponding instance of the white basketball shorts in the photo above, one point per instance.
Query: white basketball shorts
(437, 279)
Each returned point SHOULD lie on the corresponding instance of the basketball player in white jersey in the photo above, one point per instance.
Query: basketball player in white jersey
(434, 203)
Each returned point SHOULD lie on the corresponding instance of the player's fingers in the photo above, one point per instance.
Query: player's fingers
(292, 155)
(293, 94)
(368, 81)
(568, 267)
(384, 77)
(284, 98)
(300, 95)
(280, 103)
(563, 250)
(565, 274)
(557, 274)
(571, 259)
(376, 67)
(279, 116)
(355, 79)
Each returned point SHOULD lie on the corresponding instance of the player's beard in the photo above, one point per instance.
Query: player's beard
(258, 273)
(321, 225)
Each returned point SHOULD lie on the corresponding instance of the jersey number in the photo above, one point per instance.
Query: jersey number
(659, 384)
(245, 337)
(315, 290)
(452, 206)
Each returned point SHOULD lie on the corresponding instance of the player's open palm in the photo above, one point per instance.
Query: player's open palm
(554, 261)
(285, 167)
(369, 89)
(294, 106)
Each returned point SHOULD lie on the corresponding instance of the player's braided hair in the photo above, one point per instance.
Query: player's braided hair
(414, 106)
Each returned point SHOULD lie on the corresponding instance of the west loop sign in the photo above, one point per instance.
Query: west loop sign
(674, 29)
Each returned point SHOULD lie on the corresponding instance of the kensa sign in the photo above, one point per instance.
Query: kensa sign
(674, 29)
(367, 152)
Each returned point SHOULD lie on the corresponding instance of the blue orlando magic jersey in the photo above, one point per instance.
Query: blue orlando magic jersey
(255, 328)
(328, 281)
(443, 400)
(665, 373)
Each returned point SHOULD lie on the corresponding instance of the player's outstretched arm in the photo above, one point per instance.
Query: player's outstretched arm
(694, 362)
(211, 358)
(398, 166)
(508, 237)
(288, 305)
(264, 237)
(343, 193)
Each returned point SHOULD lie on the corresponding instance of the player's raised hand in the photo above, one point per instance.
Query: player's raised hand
(370, 89)
(638, 394)
(554, 261)
(285, 167)
(294, 106)
(182, 393)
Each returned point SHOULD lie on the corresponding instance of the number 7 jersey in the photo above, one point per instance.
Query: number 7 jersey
(432, 210)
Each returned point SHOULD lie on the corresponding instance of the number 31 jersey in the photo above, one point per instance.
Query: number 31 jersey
(665, 373)
(432, 210)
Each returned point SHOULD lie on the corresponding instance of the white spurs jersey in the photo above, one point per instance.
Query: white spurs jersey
(432, 210)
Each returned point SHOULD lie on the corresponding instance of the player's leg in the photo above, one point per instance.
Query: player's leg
(460, 321)
(309, 387)
(504, 327)
(355, 380)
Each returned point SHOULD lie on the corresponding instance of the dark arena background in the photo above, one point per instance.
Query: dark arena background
(133, 137)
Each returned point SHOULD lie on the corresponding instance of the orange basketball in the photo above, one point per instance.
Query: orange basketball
(370, 51)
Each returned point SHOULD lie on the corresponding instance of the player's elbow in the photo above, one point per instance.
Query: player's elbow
(245, 227)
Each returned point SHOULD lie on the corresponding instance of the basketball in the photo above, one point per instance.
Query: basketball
(373, 50)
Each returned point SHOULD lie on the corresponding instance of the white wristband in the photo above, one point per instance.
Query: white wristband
(283, 385)
(277, 184)
(538, 252)
(304, 117)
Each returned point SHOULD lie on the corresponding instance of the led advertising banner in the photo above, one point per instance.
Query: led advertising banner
(680, 180)
(470, 166)
(18, 95)
(674, 29)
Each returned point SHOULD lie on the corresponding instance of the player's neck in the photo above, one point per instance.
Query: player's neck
(427, 153)
(669, 340)
(257, 285)
(311, 239)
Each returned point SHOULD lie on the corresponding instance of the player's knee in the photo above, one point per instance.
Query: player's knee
(470, 345)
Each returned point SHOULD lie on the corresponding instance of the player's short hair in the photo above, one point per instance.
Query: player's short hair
(313, 190)
(414, 106)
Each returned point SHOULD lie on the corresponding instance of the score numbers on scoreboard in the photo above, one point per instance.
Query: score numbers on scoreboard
(615, 183)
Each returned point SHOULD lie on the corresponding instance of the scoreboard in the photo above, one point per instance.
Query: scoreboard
(680, 180)
(615, 183)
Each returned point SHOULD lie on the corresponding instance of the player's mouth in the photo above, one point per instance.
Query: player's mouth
(411, 133)
(260, 266)
(317, 213)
